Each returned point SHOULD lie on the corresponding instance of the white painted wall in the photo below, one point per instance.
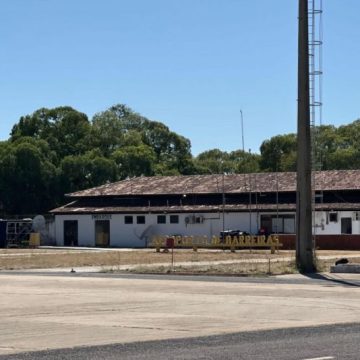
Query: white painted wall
(86, 228)
(48, 235)
(331, 228)
(137, 235)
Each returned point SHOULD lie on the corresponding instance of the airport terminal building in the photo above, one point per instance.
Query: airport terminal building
(129, 213)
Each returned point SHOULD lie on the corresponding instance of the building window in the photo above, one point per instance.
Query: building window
(333, 217)
(356, 216)
(128, 219)
(174, 219)
(273, 224)
(161, 219)
(199, 219)
(140, 219)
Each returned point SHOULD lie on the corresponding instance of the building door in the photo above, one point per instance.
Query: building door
(2, 234)
(102, 233)
(346, 225)
(70, 233)
(266, 223)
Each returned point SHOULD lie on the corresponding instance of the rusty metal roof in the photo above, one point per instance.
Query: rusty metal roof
(73, 208)
(233, 183)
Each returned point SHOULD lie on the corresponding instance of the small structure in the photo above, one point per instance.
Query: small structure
(345, 269)
(18, 232)
(27, 232)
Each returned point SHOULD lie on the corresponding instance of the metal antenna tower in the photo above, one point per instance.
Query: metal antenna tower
(315, 75)
(242, 131)
(315, 94)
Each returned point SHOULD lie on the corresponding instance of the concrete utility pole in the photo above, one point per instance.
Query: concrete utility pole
(304, 245)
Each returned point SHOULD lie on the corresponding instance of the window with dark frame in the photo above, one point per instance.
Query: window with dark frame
(356, 215)
(140, 219)
(128, 219)
(284, 224)
(333, 217)
(174, 219)
(161, 219)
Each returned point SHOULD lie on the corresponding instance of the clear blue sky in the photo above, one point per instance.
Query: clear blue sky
(191, 64)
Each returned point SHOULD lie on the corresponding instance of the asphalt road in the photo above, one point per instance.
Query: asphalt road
(77, 316)
(320, 343)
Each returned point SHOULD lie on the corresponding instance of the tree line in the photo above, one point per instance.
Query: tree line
(57, 151)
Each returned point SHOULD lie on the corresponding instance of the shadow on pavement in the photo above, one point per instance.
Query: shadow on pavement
(318, 276)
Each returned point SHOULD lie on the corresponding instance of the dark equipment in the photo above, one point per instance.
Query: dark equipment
(341, 261)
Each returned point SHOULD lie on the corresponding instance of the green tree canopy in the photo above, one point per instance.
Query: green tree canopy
(120, 127)
(85, 171)
(56, 151)
(279, 153)
(64, 129)
(216, 161)
(27, 178)
(134, 161)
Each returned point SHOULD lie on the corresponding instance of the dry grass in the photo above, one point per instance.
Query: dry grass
(251, 261)
(40, 259)
(236, 269)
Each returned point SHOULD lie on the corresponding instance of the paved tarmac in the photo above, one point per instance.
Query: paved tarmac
(314, 343)
(43, 311)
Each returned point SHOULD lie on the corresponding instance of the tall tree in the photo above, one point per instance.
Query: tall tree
(65, 130)
(113, 129)
(27, 178)
(244, 162)
(134, 161)
(279, 153)
(85, 171)
(216, 161)
(213, 161)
